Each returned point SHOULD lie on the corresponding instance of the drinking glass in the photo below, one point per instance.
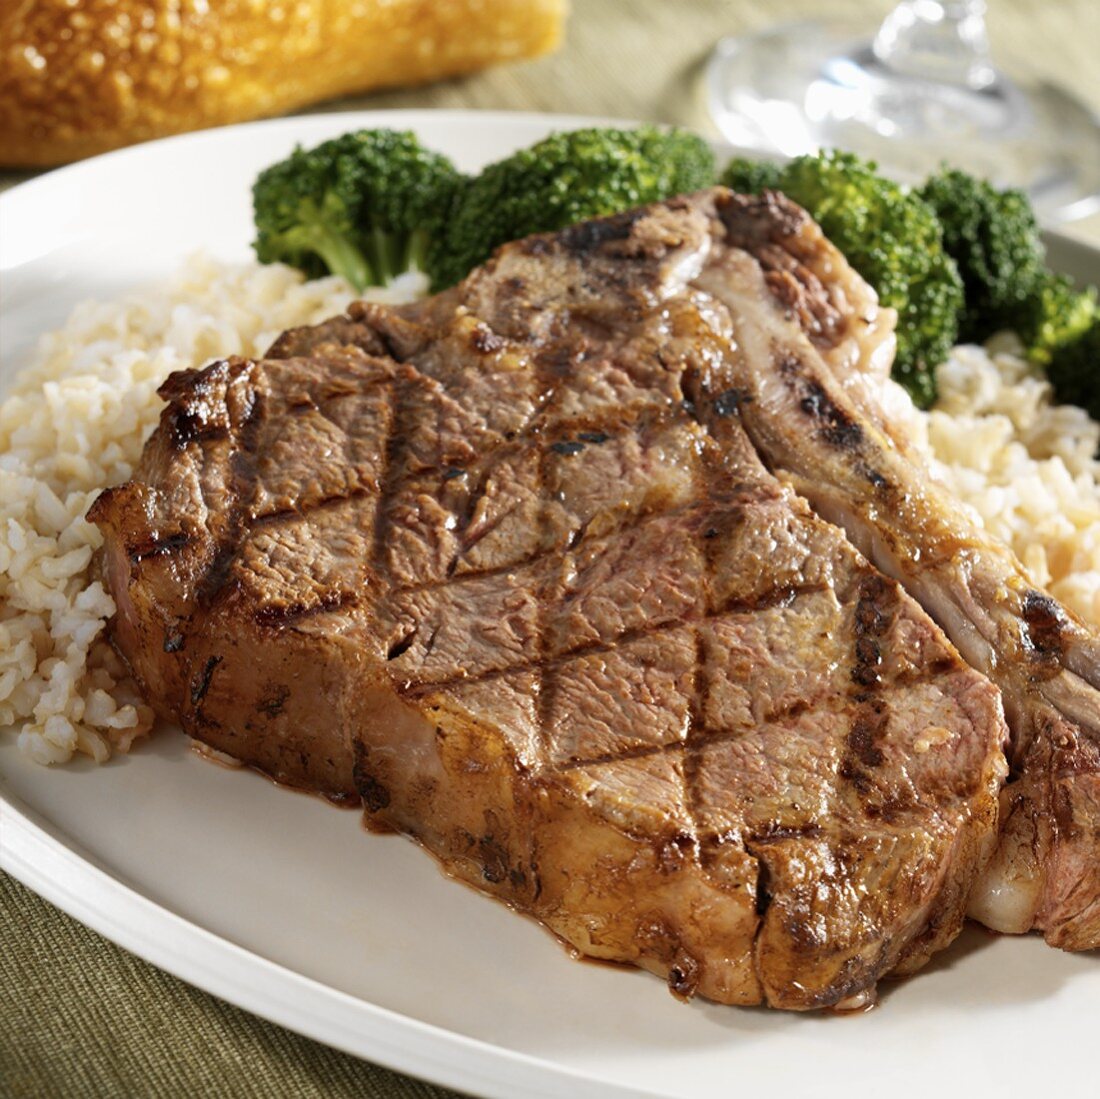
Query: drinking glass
(924, 91)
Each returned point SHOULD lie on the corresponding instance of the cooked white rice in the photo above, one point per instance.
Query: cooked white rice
(75, 420)
(1026, 467)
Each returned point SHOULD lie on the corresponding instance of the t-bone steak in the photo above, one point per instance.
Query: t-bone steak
(528, 569)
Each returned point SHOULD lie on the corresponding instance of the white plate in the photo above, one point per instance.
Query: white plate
(283, 905)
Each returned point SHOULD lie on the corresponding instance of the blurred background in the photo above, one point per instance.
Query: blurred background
(91, 73)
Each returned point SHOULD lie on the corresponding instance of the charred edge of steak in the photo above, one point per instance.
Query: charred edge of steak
(196, 408)
(755, 220)
(1043, 623)
(773, 230)
(589, 236)
(201, 683)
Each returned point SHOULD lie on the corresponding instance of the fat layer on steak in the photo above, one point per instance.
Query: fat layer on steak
(508, 567)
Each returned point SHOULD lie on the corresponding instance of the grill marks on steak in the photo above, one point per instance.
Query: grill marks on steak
(821, 422)
(507, 565)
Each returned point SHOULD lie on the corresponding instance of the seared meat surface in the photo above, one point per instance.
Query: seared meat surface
(822, 423)
(508, 567)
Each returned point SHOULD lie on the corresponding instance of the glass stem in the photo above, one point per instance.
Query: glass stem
(938, 40)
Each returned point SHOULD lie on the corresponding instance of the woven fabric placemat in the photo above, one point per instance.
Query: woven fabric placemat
(80, 1017)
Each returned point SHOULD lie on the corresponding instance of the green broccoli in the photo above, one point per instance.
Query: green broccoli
(1074, 370)
(1055, 316)
(368, 205)
(750, 177)
(566, 178)
(893, 239)
(993, 237)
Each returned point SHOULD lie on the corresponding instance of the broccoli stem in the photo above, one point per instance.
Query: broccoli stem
(335, 248)
(318, 232)
(342, 257)
(416, 252)
(384, 261)
(392, 254)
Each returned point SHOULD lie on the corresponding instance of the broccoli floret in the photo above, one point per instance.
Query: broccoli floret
(994, 240)
(368, 205)
(750, 177)
(567, 178)
(1074, 371)
(1054, 318)
(892, 237)
(304, 218)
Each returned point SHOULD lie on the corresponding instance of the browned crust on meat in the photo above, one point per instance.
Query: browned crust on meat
(507, 565)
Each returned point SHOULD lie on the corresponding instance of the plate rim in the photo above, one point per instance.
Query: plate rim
(47, 861)
(50, 862)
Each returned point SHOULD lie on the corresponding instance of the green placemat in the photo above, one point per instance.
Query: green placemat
(80, 1017)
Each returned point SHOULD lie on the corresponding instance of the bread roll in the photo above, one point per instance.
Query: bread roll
(78, 77)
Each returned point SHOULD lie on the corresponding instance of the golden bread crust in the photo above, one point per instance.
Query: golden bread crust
(79, 77)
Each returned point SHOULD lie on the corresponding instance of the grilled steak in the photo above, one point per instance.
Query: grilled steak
(507, 566)
(821, 420)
